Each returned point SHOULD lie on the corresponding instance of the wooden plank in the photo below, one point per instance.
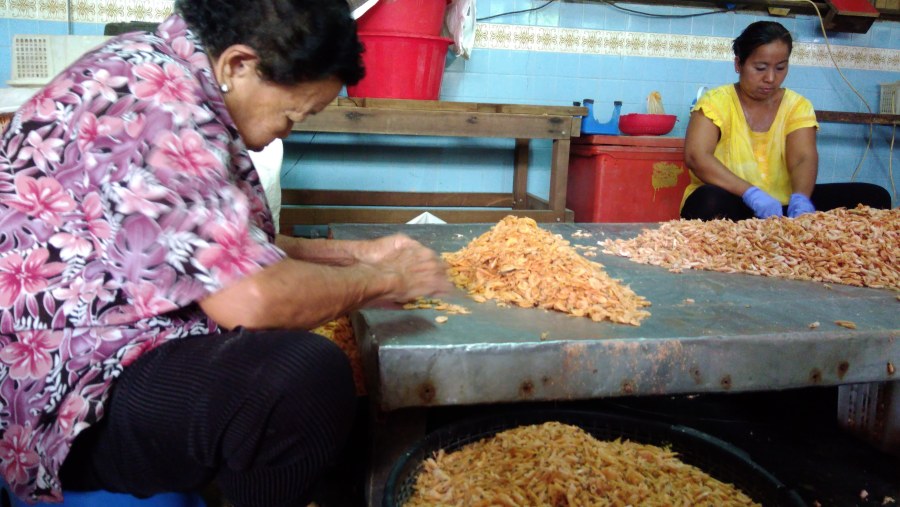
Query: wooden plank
(848, 117)
(576, 126)
(535, 202)
(559, 174)
(291, 216)
(538, 203)
(437, 123)
(437, 105)
(520, 173)
(366, 198)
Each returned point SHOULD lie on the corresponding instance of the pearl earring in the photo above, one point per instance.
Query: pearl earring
(224, 88)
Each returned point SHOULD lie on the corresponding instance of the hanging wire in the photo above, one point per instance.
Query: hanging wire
(515, 12)
(613, 4)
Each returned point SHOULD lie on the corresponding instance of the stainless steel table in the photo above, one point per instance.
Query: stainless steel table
(740, 333)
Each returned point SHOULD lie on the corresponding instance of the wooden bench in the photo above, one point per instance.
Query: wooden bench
(436, 118)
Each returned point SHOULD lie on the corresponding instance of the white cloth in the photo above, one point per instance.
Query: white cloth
(460, 23)
(268, 166)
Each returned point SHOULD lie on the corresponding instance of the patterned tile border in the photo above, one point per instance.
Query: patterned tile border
(87, 11)
(495, 36)
(691, 47)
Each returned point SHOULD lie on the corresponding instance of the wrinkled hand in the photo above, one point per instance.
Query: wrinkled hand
(762, 204)
(374, 251)
(799, 205)
(417, 271)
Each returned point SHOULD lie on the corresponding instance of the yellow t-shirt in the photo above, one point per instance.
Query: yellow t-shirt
(756, 157)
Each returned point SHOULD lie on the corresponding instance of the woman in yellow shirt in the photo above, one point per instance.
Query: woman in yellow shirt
(751, 145)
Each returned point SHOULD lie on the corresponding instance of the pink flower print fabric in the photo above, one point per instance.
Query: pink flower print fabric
(126, 195)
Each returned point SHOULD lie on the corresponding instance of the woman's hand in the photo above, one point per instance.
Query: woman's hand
(762, 204)
(375, 250)
(302, 294)
(418, 270)
(799, 205)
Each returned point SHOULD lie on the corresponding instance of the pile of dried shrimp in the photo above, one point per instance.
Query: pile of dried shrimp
(560, 465)
(855, 247)
(340, 331)
(519, 263)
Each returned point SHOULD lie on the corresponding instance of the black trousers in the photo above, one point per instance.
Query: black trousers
(260, 413)
(710, 202)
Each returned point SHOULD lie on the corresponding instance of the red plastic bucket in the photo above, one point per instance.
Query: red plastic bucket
(420, 17)
(401, 66)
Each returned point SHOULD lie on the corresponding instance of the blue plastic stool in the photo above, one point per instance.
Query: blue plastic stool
(107, 499)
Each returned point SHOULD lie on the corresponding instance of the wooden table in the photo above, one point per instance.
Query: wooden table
(436, 118)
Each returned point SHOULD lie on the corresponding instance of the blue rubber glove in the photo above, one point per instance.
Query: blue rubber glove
(762, 204)
(799, 205)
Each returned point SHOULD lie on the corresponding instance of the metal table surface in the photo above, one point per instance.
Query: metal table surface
(741, 333)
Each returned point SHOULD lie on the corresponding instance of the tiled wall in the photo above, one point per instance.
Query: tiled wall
(569, 51)
(564, 52)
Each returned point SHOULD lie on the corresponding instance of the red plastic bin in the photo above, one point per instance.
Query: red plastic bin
(401, 66)
(420, 17)
(626, 179)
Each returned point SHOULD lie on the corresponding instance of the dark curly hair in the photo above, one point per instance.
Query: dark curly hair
(296, 40)
(758, 34)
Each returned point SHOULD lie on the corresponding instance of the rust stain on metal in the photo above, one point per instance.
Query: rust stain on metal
(695, 373)
(627, 387)
(843, 368)
(427, 392)
(815, 376)
(526, 389)
(726, 382)
(890, 368)
(575, 358)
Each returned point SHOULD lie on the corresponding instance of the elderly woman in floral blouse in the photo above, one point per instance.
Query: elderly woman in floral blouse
(152, 326)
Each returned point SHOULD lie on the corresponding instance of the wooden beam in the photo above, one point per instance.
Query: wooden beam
(365, 198)
(314, 215)
(371, 120)
(847, 117)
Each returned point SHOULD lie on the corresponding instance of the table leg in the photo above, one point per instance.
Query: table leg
(871, 411)
(520, 174)
(393, 433)
(559, 177)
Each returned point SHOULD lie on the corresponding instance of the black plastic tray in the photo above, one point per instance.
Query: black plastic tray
(719, 459)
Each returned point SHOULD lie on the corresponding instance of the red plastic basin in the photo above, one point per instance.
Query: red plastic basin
(401, 66)
(420, 17)
(636, 124)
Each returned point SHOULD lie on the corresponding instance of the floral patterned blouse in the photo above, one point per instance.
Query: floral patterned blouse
(126, 195)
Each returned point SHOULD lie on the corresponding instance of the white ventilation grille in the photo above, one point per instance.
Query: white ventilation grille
(38, 58)
(890, 98)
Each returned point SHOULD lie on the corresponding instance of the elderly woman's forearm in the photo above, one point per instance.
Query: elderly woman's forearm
(296, 295)
(320, 251)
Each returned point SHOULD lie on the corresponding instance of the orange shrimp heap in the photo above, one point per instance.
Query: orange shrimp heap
(340, 331)
(555, 464)
(519, 263)
(854, 247)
